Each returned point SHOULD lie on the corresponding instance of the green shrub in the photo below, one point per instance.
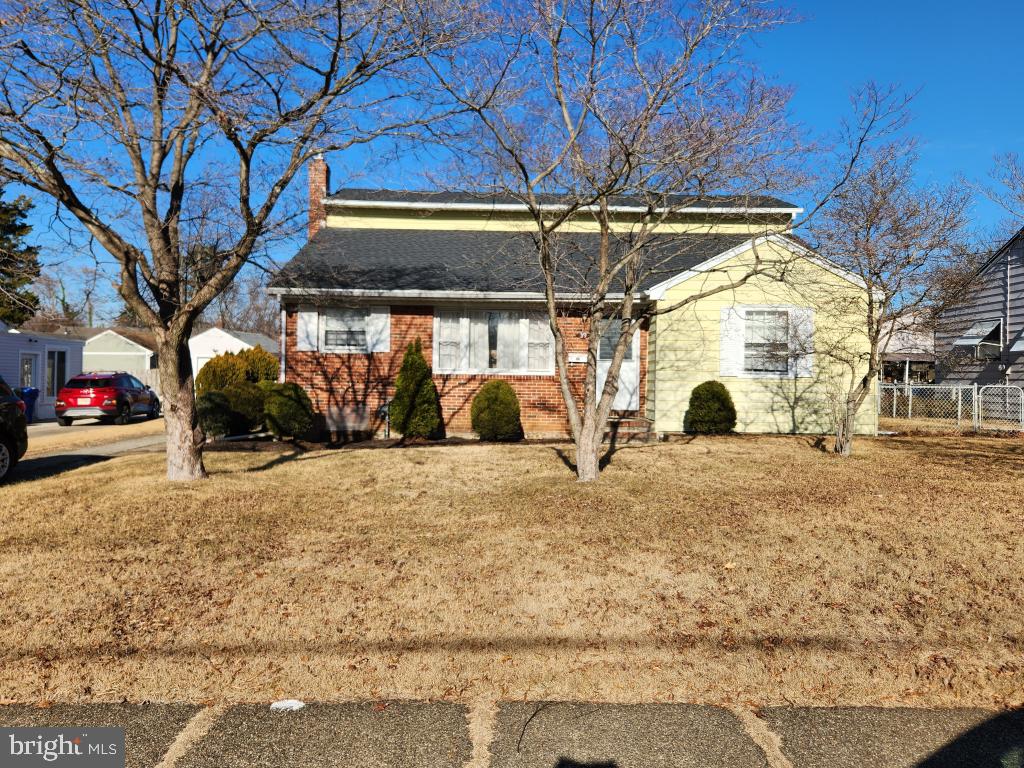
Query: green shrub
(220, 372)
(711, 410)
(246, 400)
(495, 412)
(260, 365)
(215, 414)
(287, 410)
(416, 408)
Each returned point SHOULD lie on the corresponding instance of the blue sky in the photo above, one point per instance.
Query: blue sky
(965, 58)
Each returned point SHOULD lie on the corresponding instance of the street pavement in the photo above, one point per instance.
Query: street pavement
(547, 735)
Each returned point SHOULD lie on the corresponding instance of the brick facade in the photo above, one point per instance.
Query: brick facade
(347, 389)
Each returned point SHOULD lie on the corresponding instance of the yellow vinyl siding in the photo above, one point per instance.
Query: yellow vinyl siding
(688, 348)
(501, 221)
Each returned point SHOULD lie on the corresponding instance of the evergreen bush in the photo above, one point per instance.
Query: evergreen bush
(246, 400)
(495, 412)
(220, 372)
(287, 410)
(416, 408)
(711, 410)
(215, 414)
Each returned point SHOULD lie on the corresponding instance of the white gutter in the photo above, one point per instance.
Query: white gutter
(521, 207)
(450, 295)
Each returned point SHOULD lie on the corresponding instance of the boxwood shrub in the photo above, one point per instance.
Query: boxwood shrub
(495, 412)
(711, 410)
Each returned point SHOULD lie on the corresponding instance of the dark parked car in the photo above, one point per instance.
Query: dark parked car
(13, 435)
(108, 396)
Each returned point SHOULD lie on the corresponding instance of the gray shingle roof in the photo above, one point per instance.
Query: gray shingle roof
(444, 260)
(479, 198)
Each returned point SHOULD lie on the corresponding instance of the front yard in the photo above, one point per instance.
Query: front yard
(752, 570)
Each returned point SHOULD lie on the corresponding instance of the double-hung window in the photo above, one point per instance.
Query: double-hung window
(493, 341)
(766, 341)
(344, 330)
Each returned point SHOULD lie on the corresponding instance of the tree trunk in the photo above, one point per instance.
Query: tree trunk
(844, 430)
(185, 438)
(588, 449)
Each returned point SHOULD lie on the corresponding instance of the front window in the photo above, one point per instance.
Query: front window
(609, 338)
(766, 341)
(344, 330)
(56, 371)
(494, 341)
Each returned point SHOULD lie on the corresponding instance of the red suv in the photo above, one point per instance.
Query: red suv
(107, 396)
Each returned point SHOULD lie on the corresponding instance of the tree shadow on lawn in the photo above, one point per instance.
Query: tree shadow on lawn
(494, 644)
(993, 454)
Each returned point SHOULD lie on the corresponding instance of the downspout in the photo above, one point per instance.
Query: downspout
(284, 339)
(1005, 331)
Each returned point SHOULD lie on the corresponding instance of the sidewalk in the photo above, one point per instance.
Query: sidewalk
(547, 735)
(36, 467)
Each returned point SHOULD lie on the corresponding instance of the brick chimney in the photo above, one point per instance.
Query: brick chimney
(319, 181)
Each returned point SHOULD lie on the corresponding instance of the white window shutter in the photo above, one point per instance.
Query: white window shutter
(378, 329)
(307, 330)
(730, 342)
(801, 325)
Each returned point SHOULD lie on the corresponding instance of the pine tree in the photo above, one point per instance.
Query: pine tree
(19, 263)
(416, 407)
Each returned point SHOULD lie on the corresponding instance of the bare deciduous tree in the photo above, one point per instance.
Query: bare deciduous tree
(905, 242)
(579, 106)
(171, 130)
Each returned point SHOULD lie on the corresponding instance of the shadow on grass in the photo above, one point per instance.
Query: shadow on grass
(995, 743)
(49, 466)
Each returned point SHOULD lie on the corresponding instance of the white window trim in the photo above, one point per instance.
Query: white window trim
(464, 368)
(791, 365)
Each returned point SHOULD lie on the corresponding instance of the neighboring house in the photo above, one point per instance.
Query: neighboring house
(909, 356)
(981, 341)
(41, 360)
(216, 341)
(132, 350)
(382, 269)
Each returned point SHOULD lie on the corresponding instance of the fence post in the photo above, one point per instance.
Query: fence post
(975, 408)
(894, 390)
(959, 405)
(910, 402)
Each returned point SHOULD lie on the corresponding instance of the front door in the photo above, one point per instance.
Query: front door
(627, 398)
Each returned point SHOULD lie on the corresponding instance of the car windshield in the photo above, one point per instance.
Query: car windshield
(89, 383)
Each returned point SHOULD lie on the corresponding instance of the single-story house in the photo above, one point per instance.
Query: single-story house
(216, 341)
(383, 268)
(118, 348)
(981, 340)
(41, 360)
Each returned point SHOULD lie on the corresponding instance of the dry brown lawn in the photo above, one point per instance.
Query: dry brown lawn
(733, 570)
(89, 435)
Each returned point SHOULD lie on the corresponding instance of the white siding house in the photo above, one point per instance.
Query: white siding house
(216, 341)
(42, 360)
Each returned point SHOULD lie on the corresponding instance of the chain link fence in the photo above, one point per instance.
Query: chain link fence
(940, 408)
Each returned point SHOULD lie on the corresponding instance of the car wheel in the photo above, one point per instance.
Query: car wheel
(124, 414)
(154, 410)
(65, 422)
(6, 459)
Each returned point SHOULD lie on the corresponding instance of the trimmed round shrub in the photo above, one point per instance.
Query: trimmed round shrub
(711, 410)
(215, 414)
(246, 400)
(287, 410)
(220, 372)
(416, 408)
(495, 412)
(259, 364)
